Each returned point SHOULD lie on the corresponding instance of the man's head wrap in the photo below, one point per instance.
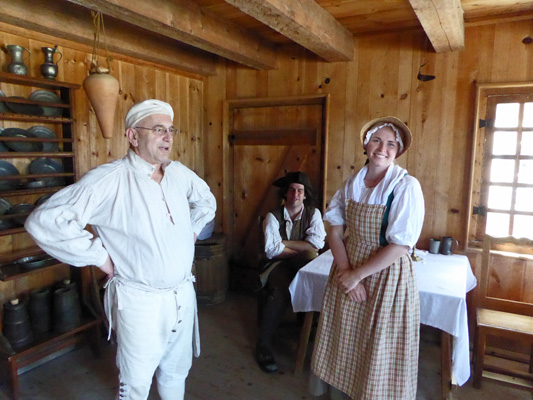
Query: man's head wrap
(146, 108)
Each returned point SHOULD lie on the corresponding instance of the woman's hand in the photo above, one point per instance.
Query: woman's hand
(358, 293)
(347, 279)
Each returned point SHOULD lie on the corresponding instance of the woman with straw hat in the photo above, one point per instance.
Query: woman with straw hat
(368, 336)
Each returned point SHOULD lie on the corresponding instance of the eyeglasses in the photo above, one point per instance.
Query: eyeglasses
(159, 130)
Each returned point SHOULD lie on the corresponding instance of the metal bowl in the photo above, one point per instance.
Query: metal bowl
(33, 261)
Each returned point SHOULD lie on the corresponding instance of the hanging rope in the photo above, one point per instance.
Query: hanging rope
(99, 28)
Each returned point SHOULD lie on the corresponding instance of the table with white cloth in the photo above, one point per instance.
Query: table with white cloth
(443, 281)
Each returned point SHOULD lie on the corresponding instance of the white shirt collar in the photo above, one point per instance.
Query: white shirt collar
(287, 216)
(142, 166)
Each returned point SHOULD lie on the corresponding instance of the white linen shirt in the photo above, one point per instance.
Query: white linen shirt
(146, 227)
(315, 234)
(406, 214)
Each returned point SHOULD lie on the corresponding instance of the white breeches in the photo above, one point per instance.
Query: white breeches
(154, 335)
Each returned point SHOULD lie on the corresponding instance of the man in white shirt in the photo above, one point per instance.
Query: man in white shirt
(147, 212)
(294, 232)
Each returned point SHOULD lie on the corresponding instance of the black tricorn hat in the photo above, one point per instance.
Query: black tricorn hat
(294, 177)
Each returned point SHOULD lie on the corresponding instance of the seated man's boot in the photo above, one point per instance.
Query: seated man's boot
(265, 359)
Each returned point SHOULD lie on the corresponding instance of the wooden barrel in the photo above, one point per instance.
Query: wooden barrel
(211, 269)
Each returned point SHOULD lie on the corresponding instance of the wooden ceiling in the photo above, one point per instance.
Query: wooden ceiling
(190, 35)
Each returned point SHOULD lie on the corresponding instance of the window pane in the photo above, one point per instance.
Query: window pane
(528, 115)
(527, 144)
(500, 197)
(525, 171)
(497, 224)
(502, 171)
(504, 143)
(524, 200)
(507, 115)
(522, 226)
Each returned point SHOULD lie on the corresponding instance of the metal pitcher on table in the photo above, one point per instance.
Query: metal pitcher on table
(448, 245)
(17, 65)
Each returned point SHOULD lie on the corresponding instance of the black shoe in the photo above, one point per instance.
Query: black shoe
(265, 359)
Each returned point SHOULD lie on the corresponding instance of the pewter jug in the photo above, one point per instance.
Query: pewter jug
(447, 245)
(17, 65)
(49, 68)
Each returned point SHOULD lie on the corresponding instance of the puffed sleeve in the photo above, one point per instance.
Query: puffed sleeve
(406, 215)
(335, 214)
(58, 227)
(316, 233)
(202, 203)
(273, 241)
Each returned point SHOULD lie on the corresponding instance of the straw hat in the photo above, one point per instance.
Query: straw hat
(407, 137)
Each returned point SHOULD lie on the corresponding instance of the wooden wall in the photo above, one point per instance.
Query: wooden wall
(138, 82)
(382, 81)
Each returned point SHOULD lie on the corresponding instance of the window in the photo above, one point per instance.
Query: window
(502, 172)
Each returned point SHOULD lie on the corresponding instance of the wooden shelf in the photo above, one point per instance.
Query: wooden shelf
(12, 272)
(50, 343)
(28, 191)
(34, 118)
(36, 82)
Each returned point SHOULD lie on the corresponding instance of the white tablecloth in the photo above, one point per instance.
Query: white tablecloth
(443, 282)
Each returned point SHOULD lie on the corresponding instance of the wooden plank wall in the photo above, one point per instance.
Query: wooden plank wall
(138, 82)
(382, 81)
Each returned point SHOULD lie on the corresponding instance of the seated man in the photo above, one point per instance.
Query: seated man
(293, 235)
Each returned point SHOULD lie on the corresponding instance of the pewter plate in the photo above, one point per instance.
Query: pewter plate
(44, 165)
(7, 169)
(3, 107)
(3, 147)
(21, 208)
(38, 183)
(22, 108)
(21, 146)
(50, 97)
(42, 199)
(5, 206)
(45, 133)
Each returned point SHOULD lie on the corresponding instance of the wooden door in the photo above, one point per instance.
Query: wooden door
(267, 141)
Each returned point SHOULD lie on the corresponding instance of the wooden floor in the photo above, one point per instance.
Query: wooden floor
(226, 369)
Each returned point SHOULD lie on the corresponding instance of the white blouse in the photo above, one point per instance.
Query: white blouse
(406, 214)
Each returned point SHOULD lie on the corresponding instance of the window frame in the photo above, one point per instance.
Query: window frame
(476, 223)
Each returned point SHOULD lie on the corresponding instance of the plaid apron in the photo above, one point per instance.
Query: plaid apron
(369, 350)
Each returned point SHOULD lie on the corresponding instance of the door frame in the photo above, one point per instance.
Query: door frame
(228, 174)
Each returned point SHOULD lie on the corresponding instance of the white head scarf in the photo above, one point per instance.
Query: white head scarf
(146, 108)
(375, 129)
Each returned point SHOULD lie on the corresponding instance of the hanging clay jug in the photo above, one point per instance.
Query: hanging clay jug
(102, 90)
(49, 68)
(17, 65)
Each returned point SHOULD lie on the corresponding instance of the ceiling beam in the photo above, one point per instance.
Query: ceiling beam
(74, 23)
(443, 23)
(185, 21)
(304, 22)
